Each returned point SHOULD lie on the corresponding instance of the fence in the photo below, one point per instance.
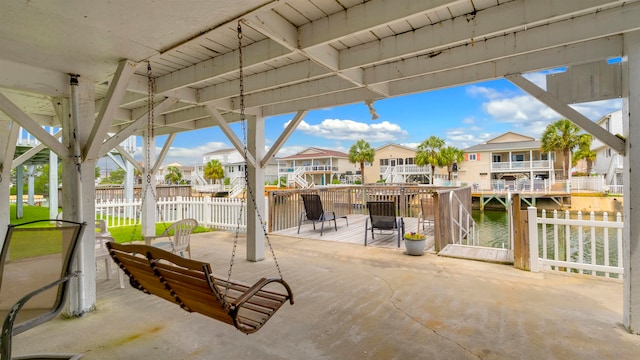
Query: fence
(217, 213)
(576, 245)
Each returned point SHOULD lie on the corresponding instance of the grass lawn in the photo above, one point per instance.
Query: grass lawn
(120, 234)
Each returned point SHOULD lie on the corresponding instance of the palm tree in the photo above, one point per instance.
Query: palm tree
(174, 175)
(213, 170)
(584, 152)
(451, 155)
(361, 152)
(563, 136)
(429, 153)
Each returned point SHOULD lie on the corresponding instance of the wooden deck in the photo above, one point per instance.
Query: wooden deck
(354, 234)
(495, 255)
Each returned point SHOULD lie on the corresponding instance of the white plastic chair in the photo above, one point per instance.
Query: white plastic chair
(178, 236)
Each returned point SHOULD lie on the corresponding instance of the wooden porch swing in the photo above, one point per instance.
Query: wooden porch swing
(191, 283)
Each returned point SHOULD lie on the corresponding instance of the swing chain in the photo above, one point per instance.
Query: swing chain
(249, 194)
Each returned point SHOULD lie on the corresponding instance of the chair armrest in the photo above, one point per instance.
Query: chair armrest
(7, 326)
(257, 287)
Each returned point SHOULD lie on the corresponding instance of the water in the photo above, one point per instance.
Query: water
(493, 228)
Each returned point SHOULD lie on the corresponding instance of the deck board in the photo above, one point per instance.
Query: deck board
(501, 256)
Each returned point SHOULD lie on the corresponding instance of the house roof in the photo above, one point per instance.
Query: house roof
(495, 144)
(315, 153)
(396, 145)
(220, 151)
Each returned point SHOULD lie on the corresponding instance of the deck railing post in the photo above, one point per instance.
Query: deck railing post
(533, 239)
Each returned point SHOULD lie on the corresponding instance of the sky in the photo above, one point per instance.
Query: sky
(463, 116)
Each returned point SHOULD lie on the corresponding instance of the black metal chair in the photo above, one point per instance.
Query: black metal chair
(314, 212)
(382, 217)
(35, 269)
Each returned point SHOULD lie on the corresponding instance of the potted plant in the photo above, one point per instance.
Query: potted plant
(415, 242)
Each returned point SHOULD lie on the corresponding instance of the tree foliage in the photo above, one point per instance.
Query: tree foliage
(584, 152)
(429, 154)
(361, 152)
(173, 175)
(562, 136)
(213, 170)
(451, 155)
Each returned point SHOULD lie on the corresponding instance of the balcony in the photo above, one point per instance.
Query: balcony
(535, 165)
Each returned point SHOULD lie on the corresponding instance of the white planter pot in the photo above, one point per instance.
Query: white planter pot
(415, 247)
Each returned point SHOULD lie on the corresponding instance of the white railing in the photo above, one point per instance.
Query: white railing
(521, 186)
(521, 165)
(576, 245)
(464, 229)
(217, 213)
(588, 183)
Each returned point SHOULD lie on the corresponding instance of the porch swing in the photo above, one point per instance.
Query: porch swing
(191, 283)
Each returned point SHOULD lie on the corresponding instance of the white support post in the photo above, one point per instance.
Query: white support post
(631, 121)
(78, 190)
(255, 234)
(8, 138)
(19, 191)
(534, 263)
(53, 183)
(31, 184)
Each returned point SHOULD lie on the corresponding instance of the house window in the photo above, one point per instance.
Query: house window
(473, 157)
(608, 152)
(400, 161)
(409, 161)
(517, 157)
(384, 162)
(497, 158)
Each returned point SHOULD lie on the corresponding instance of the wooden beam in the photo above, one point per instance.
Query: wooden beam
(283, 137)
(31, 126)
(215, 114)
(121, 135)
(163, 153)
(112, 100)
(616, 143)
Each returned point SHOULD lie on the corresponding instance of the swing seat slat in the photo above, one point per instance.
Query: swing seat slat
(192, 285)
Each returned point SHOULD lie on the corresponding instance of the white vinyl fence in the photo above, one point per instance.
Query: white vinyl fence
(212, 212)
(570, 243)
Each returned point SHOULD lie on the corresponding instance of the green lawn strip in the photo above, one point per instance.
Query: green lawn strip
(128, 233)
(36, 247)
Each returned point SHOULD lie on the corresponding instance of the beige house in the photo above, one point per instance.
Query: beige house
(395, 163)
(511, 158)
(315, 166)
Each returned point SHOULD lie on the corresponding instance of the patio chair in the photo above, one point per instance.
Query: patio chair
(382, 217)
(426, 217)
(314, 212)
(178, 236)
(35, 269)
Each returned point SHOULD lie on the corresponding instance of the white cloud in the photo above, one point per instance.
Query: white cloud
(338, 129)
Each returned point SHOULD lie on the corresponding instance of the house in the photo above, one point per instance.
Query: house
(315, 166)
(507, 158)
(608, 162)
(185, 170)
(233, 165)
(394, 163)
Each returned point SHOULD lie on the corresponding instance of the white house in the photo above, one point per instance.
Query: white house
(608, 162)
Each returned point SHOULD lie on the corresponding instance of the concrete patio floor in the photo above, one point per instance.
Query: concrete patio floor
(356, 302)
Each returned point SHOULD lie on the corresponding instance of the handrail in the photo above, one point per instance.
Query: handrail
(466, 226)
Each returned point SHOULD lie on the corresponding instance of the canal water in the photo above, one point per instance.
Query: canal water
(493, 228)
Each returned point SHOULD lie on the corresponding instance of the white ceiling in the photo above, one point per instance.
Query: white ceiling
(297, 54)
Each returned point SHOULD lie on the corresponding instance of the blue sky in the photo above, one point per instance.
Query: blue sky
(463, 116)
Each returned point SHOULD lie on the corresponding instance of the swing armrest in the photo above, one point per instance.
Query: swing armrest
(257, 287)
